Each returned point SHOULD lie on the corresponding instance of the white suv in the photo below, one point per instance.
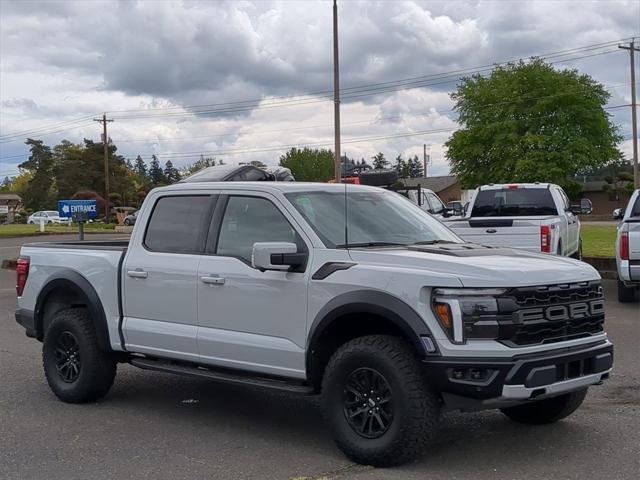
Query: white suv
(48, 216)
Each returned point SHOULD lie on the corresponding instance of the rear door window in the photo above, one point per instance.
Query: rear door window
(514, 202)
(179, 224)
(635, 211)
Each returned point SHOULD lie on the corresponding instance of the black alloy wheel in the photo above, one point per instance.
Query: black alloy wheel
(67, 354)
(368, 405)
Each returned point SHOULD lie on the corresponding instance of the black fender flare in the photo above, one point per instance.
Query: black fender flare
(375, 302)
(72, 280)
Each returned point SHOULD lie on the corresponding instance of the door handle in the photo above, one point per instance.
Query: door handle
(137, 273)
(212, 280)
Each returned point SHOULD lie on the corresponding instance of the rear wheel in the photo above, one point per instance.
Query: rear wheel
(546, 411)
(76, 369)
(377, 403)
(626, 294)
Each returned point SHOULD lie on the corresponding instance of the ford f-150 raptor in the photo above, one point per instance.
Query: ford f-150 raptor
(346, 291)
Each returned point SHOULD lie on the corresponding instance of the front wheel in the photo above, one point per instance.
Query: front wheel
(376, 401)
(76, 369)
(546, 411)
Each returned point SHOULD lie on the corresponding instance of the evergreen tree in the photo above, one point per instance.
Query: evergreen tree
(171, 173)
(402, 167)
(379, 161)
(156, 175)
(140, 168)
(415, 167)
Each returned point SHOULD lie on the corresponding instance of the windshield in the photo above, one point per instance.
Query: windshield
(373, 218)
(517, 202)
(51, 213)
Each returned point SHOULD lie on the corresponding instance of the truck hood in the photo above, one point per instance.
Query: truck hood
(481, 266)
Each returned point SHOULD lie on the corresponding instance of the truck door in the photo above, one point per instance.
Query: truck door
(248, 318)
(571, 239)
(160, 277)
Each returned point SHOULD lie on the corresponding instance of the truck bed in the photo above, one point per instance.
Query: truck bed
(116, 245)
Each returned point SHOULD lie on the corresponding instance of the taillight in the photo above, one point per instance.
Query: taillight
(22, 272)
(624, 246)
(545, 239)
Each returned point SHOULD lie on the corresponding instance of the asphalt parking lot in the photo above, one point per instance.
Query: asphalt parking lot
(159, 426)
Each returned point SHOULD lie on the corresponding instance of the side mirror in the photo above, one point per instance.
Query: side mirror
(618, 213)
(276, 256)
(586, 207)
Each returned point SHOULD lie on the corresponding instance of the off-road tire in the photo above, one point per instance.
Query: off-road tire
(415, 408)
(97, 369)
(626, 294)
(547, 411)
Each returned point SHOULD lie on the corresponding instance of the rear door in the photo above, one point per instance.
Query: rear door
(569, 226)
(160, 277)
(248, 318)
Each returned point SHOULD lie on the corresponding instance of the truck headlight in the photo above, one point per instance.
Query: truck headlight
(467, 312)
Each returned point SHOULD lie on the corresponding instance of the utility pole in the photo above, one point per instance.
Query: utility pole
(336, 94)
(424, 159)
(105, 143)
(634, 121)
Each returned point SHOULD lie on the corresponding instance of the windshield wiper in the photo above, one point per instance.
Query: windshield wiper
(432, 242)
(370, 244)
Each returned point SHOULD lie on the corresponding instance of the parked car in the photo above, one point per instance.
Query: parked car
(48, 217)
(537, 217)
(131, 218)
(345, 291)
(628, 250)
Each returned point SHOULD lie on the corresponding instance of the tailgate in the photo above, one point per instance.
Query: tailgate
(634, 248)
(523, 233)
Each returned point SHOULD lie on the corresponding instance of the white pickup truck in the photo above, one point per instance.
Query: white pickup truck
(537, 217)
(628, 250)
(347, 291)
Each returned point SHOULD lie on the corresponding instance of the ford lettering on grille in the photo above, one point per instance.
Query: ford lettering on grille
(558, 313)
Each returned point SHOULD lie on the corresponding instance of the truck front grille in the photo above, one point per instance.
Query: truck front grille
(552, 313)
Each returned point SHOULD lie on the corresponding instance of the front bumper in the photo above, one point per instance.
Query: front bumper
(472, 384)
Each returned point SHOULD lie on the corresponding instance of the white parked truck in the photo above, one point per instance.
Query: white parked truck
(537, 217)
(350, 292)
(628, 250)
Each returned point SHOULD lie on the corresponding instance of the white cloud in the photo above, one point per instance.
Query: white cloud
(63, 60)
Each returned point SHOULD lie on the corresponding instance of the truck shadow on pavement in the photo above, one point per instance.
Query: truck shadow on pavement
(485, 441)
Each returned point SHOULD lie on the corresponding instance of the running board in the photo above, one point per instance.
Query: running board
(220, 376)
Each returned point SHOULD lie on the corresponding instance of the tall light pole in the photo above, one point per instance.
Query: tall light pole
(634, 122)
(336, 94)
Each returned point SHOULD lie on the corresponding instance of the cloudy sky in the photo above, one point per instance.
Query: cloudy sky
(242, 80)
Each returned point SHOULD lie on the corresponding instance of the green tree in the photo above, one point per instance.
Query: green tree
(156, 175)
(379, 161)
(414, 167)
(401, 166)
(528, 122)
(309, 165)
(40, 191)
(202, 162)
(140, 167)
(171, 173)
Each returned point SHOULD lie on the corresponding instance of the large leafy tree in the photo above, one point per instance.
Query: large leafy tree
(40, 191)
(309, 165)
(529, 122)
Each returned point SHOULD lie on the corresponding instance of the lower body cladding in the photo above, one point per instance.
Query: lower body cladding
(468, 384)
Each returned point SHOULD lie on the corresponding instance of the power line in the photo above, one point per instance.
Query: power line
(349, 92)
